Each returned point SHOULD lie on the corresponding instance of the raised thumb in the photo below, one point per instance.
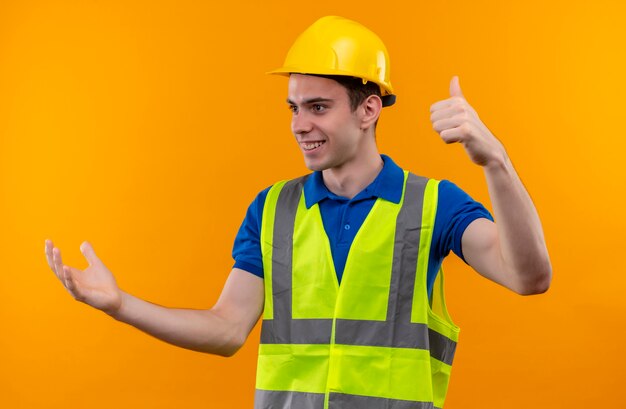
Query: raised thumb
(89, 254)
(455, 88)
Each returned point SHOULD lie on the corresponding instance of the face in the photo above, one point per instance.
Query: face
(328, 132)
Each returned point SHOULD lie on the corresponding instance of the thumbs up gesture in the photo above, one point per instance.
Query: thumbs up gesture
(456, 121)
(94, 286)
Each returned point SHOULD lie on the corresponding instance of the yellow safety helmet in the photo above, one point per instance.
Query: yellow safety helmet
(338, 46)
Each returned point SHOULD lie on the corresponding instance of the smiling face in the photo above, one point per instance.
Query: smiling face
(329, 133)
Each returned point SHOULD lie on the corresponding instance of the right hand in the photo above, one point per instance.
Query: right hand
(93, 286)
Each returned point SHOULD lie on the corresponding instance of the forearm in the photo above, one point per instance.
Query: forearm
(522, 244)
(198, 330)
(513, 253)
(221, 330)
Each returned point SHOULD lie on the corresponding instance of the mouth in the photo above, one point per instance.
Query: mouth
(311, 146)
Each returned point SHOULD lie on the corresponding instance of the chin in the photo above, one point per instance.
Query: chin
(315, 167)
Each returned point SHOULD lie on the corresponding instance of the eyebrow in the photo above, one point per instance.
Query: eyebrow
(310, 101)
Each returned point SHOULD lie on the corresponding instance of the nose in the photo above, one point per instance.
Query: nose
(300, 123)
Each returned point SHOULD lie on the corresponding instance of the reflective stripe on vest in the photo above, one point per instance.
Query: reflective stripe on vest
(374, 342)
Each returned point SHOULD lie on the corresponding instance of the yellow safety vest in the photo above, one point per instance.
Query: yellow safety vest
(375, 341)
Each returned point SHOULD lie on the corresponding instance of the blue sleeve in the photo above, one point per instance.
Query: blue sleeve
(247, 246)
(455, 211)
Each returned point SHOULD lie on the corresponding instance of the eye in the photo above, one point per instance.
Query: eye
(318, 108)
(293, 108)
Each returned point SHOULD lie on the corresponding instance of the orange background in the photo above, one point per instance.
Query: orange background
(148, 127)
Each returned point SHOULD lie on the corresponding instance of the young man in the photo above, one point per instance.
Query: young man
(343, 263)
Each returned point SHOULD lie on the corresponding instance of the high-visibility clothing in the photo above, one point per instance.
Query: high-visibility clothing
(375, 341)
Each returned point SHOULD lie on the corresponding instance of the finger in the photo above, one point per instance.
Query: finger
(448, 123)
(58, 262)
(455, 87)
(89, 253)
(453, 135)
(48, 249)
(445, 103)
(69, 274)
(448, 112)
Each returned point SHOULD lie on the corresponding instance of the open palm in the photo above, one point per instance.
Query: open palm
(94, 285)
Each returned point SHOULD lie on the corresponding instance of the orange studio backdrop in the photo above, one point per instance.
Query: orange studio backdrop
(148, 127)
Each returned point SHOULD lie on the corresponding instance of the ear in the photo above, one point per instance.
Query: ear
(370, 111)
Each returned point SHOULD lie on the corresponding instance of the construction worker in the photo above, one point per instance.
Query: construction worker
(344, 264)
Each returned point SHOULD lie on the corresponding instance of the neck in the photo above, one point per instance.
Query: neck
(351, 178)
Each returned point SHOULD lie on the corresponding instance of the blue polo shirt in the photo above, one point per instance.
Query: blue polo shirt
(342, 218)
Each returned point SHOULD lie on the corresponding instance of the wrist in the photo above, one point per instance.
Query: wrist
(498, 162)
(117, 311)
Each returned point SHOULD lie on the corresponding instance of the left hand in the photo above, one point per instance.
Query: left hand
(456, 121)
(95, 286)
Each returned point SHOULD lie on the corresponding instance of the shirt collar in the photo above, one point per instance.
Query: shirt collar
(388, 185)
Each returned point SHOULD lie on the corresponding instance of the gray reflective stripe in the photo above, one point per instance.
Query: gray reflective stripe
(361, 332)
(441, 347)
(345, 401)
(398, 331)
(264, 399)
(299, 331)
(396, 335)
(282, 251)
(287, 400)
(405, 250)
(381, 333)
